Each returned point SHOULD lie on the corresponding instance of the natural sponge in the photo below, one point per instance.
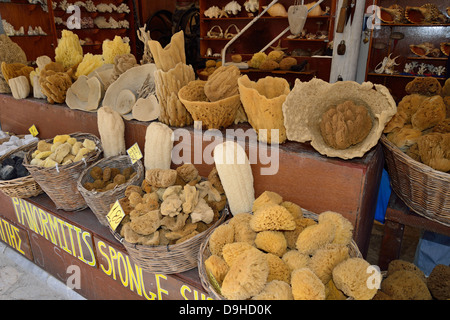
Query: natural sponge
(324, 260)
(438, 282)
(222, 235)
(246, 278)
(351, 277)
(275, 290)
(69, 51)
(116, 47)
(217, 267)
(344, 228)
(266, 198)
(112, 131)
(345, 125)
(306, 285)
(405, 285)
(315, 237)
(231, 251)
(271, 241)
(272, 218)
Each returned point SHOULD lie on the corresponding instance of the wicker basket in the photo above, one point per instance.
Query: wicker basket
(204, 254)
(60, 183)
(170, 259)
(424, 190)
(24, 187)
(100, 202)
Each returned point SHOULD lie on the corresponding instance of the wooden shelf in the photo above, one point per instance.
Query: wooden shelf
(401, 75)
(428, 58)
(415, 24)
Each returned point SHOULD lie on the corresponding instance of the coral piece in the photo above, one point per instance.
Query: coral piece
(345, 125)
(20, 87)
(85, 94)
(247, 278)
(213, 115)
(232, 8)
(112, 131)
(306, 285)
(54, 85)
(128, 84)
(69, 51)
(213, 12)
(431, 111)
(168, 84)
(251, 6)
(307, 102)
(405, 285)
(434, 150)
(272, 218)
(168, 57)
(262, 101)
(223, 83)
(438, 282)
(113, 48)
(351, 277)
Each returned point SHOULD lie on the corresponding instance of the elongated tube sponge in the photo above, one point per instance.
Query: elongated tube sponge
(158, 146)
(112, 131)
(236, 176)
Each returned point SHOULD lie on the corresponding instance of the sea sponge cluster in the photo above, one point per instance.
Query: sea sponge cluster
(420, 128)
(276, 252)
(405, 281)
(275, 59)
(166, 211)
(104, 179)
(63, 150)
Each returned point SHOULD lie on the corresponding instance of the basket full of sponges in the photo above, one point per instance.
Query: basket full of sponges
(56, 164)
(280, 251)
(416, 146)
(105, 182)
(169, 216)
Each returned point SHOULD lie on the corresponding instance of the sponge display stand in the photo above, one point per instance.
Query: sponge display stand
(55, 239)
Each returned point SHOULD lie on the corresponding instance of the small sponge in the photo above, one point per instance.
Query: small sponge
(272, 218)
(315, 237)
(306, 285)
(271, 241)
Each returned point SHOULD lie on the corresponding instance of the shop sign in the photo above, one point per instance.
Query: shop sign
(151, 286)
(15, 237)
(68, 237)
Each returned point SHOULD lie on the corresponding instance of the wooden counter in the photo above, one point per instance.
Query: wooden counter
(305, 177)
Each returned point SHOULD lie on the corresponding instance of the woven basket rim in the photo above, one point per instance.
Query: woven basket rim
(89, 156)
(111, 192)
(22, 180)
(414, 163)
(205, 246)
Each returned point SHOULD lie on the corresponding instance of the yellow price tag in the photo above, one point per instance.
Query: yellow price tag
(33, 130)
(115, 215)
(135, 153)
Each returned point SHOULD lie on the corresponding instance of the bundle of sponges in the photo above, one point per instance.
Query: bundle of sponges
(275, 59)
(108, 178)
(405, 281)
(420, 128)
(214, 102)
(276, 252)
(171, 206)
(63, 150)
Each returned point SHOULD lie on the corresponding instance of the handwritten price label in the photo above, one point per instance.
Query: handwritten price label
(115, 215)
(33, 130)
(135, 153)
